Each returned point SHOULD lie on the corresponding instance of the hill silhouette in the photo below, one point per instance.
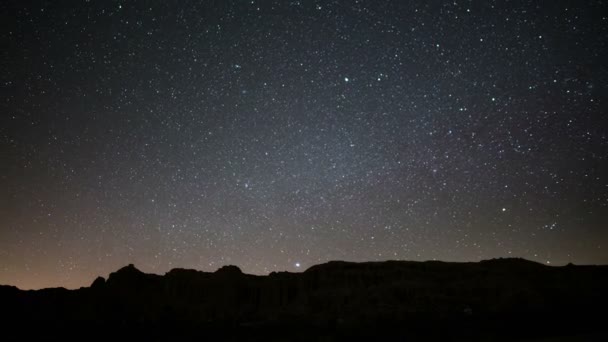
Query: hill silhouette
(499, 299)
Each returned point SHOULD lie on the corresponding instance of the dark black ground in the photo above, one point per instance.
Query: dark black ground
(496, 300)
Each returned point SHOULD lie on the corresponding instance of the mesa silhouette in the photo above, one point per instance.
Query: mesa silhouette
(499, 298)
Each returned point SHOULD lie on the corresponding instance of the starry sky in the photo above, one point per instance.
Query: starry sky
(275, 135)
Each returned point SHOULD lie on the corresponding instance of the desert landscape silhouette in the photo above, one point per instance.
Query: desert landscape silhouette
(499, 299)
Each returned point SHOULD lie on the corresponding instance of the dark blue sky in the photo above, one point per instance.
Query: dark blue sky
(268, 133)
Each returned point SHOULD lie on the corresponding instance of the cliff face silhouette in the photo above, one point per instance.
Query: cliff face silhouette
(500, 298)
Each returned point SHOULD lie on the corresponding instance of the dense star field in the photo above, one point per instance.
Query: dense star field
(275, 135)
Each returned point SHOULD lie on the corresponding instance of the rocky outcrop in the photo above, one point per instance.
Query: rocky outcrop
(510, 297)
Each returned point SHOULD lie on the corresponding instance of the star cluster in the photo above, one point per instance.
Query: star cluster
(279, 134)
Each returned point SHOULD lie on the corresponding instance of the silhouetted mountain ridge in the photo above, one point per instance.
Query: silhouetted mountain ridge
(338, 300)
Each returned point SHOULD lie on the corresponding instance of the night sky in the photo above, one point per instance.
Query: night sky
(275, 135)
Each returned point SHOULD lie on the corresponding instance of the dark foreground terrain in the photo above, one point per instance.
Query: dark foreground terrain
(501, 299)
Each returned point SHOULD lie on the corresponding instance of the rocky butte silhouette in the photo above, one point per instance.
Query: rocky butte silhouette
(499, 299)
